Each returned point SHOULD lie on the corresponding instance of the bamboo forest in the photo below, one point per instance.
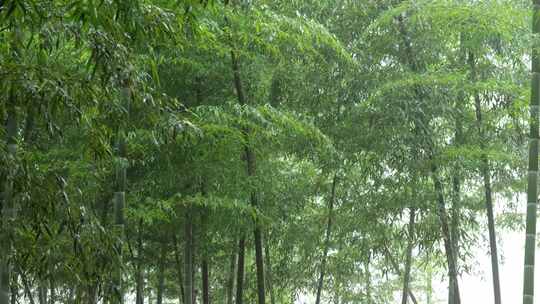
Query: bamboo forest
(269, 151)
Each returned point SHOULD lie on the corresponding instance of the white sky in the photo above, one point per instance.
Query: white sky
(478, 288)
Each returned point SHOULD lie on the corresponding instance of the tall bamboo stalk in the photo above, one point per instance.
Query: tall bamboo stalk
(456, 174)
(456, 198)
(429, 283)
(456, 188)
(205, 267)
(367, 262)
(240, 270)
(205, 281)
(120, 195)
(532, 187)
(188, 257)
(161, 273)
(139, 297)
(230, 277)
(52, 287)
(486, 176)
(42, 293)
(454, 297)
(407, 274)
(268, 268)
(250, 158)
(179, 265)
(395, 265)
(421, 128)
(326, 240)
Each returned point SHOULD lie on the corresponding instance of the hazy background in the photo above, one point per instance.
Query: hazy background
(477, 288)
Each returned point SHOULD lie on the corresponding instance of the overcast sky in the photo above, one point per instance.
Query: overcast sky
(478, 288)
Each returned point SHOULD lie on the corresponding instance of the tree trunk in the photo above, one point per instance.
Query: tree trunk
(139, 298)
(161, 273)
(532, 191)
(456, 176)
(407, 274)
(456, 213)
(205, 281)
(188, 257)
(326, 240)
(456, 188)
(42, 293)
(230, 278)
(249, 155)
(8, 206)
(259, 261)
(492, 235)
(179, 269)
(194, 266)
(240, 269)
(52, 297)
(454, 297)
(29, 124)
(368, 279)
(532, 187)
(205, 271)
(486, 175)
(120, 197)
(429, 285)
(269, 273)
(395, 265)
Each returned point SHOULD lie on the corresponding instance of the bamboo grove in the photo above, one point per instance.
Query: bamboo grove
(264, 151)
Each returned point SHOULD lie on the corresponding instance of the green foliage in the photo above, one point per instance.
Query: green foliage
(374, 93)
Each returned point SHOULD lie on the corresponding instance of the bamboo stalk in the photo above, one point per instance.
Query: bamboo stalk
(532, 178)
